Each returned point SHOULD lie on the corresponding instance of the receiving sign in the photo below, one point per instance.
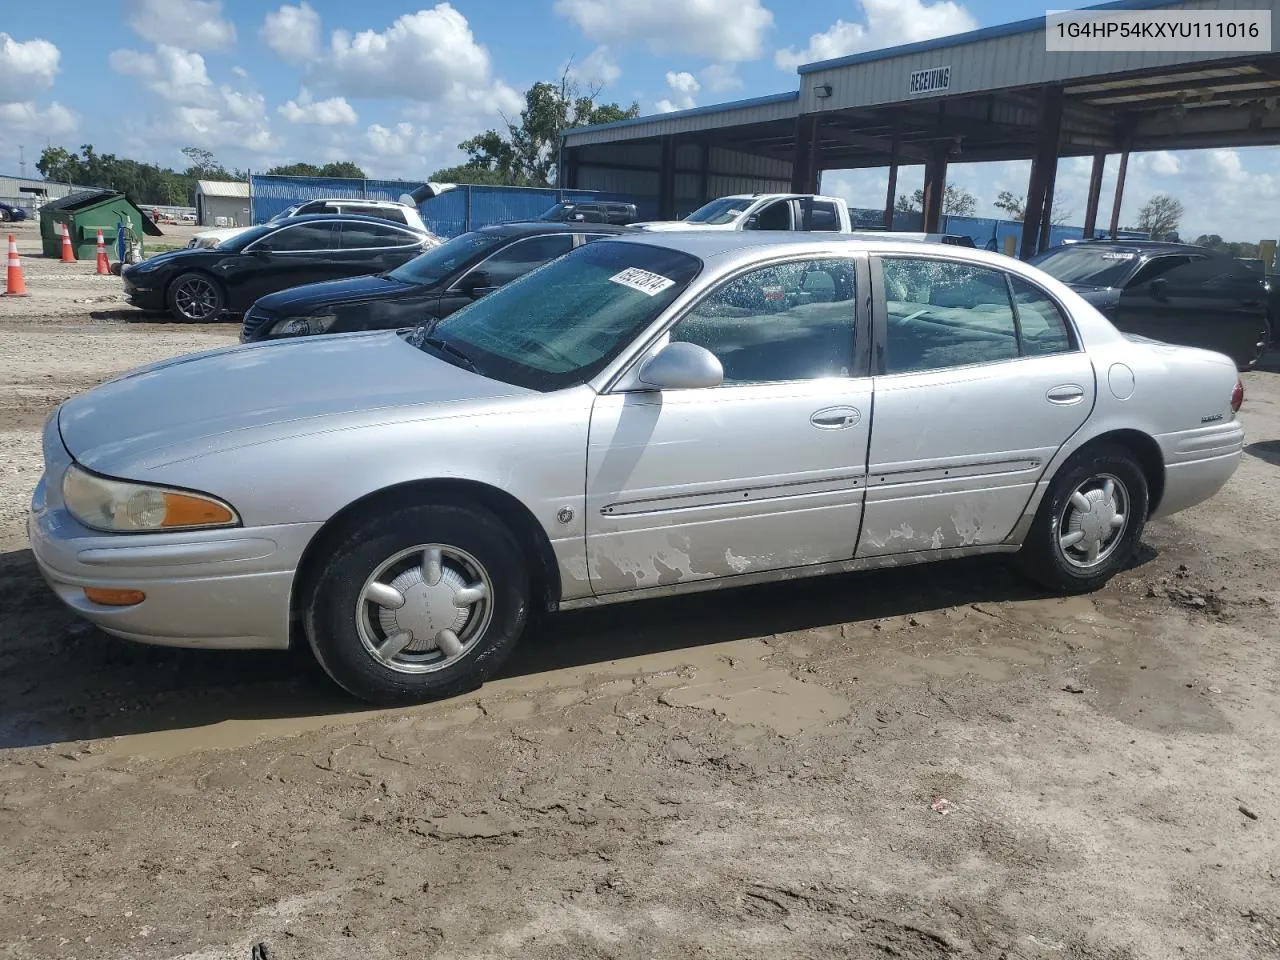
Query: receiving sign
(933, 80)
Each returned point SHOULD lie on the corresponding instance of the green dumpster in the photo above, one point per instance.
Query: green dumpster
(85, 213)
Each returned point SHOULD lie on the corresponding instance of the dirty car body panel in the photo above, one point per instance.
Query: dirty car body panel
(864, 419)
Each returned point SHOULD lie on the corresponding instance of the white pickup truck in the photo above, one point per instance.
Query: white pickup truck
(764, 211)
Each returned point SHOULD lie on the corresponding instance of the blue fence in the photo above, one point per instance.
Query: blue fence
(986, 232)
(452, 213)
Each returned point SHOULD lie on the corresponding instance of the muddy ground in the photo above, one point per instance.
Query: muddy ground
(923, 764)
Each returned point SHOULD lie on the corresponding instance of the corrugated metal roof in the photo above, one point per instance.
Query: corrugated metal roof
(778, 106)
(223, 188)
(973, 36)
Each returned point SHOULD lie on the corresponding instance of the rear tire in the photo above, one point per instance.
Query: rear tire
(1090, 522)
(195, 298)
(418, 603)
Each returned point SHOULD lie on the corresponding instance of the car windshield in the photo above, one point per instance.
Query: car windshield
(558, 212)
(444, 260)
(563, 323)
(285, 214)
(717, 212)
(246, 237)
(1088, 266)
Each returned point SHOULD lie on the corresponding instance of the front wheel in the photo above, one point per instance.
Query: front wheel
(418, 603)
(1089, 523)
(196, 298)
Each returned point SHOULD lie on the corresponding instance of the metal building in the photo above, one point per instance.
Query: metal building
(990, 94)
(31, 192)
(223, 203)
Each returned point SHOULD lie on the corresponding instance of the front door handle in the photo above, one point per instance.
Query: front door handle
(836, 418)
(1065, 394)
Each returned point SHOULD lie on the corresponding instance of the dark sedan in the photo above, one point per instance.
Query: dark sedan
(198, 285)
(1171, 292)
(433, 285)
(11, 211)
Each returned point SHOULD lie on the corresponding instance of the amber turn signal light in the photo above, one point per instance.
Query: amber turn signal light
(114, 598)
(181, 510)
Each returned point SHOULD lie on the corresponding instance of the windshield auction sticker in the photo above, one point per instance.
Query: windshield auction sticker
(642, 280)
(1232, 31)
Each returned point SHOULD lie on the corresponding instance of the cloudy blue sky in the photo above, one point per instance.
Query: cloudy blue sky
(396, 84)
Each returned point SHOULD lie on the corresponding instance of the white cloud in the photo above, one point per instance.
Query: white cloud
(718, 29)
(720, 77)
(172, 73)
(889, 23)
(293, 32)
(598, 68)
(429, 55)
(26, 67)
(190, 24)
(334, 111)
(240, 72)
(684, 87)
(26, 117)
(1164, 163)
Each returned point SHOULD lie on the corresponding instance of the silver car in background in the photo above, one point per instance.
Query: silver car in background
(644, 416)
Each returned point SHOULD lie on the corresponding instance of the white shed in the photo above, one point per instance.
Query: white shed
(223, 203)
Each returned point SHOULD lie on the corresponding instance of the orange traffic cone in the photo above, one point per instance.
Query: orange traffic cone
(104, 267)
(16, 285)
(68, 255)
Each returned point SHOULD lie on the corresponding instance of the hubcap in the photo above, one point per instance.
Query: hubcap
(424, 608)
(1093, 521)
(196, 299)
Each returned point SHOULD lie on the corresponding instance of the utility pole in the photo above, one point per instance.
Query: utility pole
(22, 160)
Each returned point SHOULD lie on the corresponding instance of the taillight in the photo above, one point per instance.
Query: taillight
(1237, 397)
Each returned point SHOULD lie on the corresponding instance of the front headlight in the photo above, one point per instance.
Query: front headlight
(117, 506)
(304, 326)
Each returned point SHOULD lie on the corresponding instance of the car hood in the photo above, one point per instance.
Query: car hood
(298, 300)
(221, 399)
(1096, 296)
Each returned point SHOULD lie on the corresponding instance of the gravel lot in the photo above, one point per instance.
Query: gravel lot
(925, 763)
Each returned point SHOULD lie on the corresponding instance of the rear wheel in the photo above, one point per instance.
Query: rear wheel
(196, 298)
(1089, 523)
(4, 216)
(418, 603)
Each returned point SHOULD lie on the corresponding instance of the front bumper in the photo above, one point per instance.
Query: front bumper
(142, 296)
(216, 589)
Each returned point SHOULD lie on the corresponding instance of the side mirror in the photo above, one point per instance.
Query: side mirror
(1160, 288)
(681, 366)
(752, 223)
(477, 284)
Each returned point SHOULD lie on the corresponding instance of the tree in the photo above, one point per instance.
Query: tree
(1015, 207)
(345, 169)
(956, 202)
(201, 159)
(1160, 216)
(527, 153)
(467, 173)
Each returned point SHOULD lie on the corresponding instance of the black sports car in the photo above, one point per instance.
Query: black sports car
(433, 285)
(197, 285)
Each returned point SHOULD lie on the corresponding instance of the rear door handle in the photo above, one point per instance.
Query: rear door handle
(836, 418)
(1065, 394)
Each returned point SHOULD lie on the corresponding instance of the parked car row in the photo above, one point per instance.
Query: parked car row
(607, 428)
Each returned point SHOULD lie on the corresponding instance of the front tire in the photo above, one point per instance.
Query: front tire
(418, 603)
(196, 298)
(1090, 522)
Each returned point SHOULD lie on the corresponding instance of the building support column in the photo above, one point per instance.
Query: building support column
(1095, 194)
(935, 186)
(667, 180)
(805, 169)
(1044, 168)
(895, 156)
(1115, 208)
(704, 174)
(1046, 215)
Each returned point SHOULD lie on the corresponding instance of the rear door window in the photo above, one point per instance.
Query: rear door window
(941, 315)
(367, 236)
(824, 216)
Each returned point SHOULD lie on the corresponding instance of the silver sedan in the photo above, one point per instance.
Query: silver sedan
(644, 416)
